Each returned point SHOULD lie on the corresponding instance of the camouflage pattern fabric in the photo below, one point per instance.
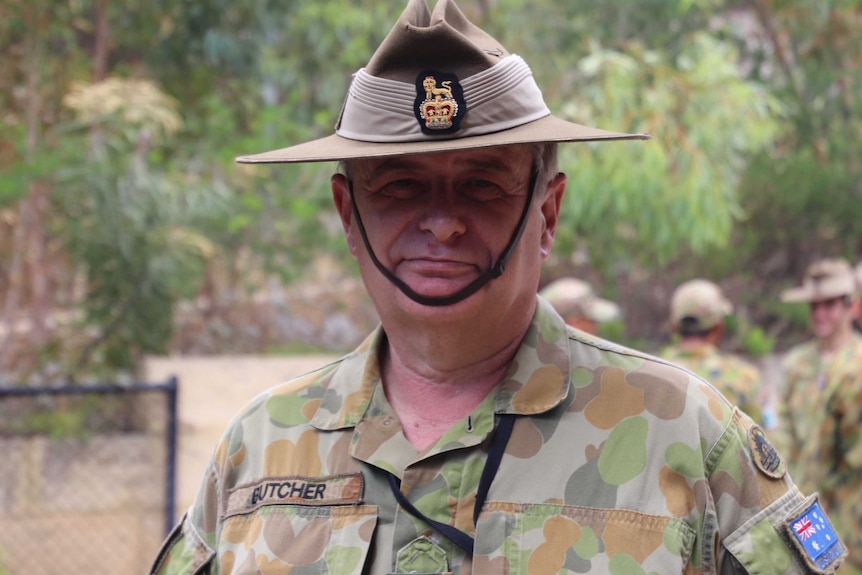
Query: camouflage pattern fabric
(738, 380)
(821, 431)
(618, 463)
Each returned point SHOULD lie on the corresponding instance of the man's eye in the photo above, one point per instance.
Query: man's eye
(401, 189)
(481, 190)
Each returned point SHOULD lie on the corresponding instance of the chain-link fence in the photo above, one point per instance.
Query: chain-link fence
(87, 477)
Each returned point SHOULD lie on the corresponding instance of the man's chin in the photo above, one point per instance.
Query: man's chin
(439, 287)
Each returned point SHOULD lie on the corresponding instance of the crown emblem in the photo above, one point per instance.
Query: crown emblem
(439, 104)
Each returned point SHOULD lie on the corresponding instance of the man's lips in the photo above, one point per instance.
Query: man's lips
(438, 267)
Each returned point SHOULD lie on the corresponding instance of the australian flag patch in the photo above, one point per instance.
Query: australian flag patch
(813, 537)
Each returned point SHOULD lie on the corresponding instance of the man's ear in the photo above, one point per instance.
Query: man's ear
(551, 212)
(344, 204)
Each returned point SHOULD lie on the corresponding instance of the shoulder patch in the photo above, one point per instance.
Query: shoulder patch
(295, 490)
(764, 454)
(813, 538)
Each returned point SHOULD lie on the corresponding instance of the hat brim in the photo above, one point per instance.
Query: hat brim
(336, 148)
(826, 291)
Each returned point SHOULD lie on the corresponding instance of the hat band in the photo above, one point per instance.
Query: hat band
(502, 97)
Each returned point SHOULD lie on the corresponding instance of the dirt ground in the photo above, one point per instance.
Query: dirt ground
(211, 391)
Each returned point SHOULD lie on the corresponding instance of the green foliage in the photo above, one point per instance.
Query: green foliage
(58, 425)
(804, 196)
(612, 330)
(644, 201)
(129, 224)
(69, 417)
(757, 343)
(617, 332)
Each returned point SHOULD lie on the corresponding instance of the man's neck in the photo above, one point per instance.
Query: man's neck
(695, 344)
(434, 380)
(835, 341)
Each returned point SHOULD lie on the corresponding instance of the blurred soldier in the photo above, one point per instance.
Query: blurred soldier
(821, 418)
(697, 312)
(858, 321)
(576, 302)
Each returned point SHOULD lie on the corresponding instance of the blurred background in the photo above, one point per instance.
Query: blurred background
(133, 248)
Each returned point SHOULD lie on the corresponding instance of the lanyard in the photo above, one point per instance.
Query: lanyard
(492, 464)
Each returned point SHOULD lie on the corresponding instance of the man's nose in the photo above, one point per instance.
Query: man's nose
(443, 217)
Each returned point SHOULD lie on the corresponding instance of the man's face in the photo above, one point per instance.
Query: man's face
(830, 317)
(438, 221)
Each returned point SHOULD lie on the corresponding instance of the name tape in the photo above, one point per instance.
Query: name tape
(330, 490)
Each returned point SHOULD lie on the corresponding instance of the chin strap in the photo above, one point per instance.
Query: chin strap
(494, 272)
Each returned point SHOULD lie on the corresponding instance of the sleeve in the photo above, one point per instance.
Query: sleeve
(849, 421)
(783, 433)
(766, 526)
(189, 549)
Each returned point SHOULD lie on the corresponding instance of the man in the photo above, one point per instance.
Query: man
(821, 417)
(858, 322)
(698, 309)
(579, 307)
(473, 432)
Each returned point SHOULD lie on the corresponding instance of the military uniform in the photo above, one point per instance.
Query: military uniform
(821, 415)
(618, 463)
(738, 380)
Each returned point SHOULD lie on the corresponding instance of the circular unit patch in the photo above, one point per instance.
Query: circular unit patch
(764, 454)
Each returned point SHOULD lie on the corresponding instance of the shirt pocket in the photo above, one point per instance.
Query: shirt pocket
(275, 539)
(546, 539)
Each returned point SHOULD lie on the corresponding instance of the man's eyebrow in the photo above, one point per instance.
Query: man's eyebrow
(394, 164)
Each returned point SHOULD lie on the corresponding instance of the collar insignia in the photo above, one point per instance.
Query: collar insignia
(439, 105)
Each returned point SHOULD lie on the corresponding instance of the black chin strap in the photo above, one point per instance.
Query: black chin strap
(494, 272)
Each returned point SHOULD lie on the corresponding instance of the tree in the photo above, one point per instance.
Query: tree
(754, 108)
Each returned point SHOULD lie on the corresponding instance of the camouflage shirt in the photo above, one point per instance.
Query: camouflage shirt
(738, 380)
(822, 433)
(618, 463)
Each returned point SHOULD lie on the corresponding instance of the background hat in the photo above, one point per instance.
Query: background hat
(824, 279)
(438, 83)
(700, 300)
(573, 297)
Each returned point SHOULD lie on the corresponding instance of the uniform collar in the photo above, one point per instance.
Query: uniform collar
(538, 378)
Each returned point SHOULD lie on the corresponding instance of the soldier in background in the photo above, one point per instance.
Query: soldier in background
(578, 305)
(697, 315)
(858, 321)
(821, 415)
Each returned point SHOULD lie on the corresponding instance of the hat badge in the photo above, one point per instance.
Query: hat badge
(440, 103)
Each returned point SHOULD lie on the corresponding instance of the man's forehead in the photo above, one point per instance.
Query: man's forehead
(829, 301)
(511, 158)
